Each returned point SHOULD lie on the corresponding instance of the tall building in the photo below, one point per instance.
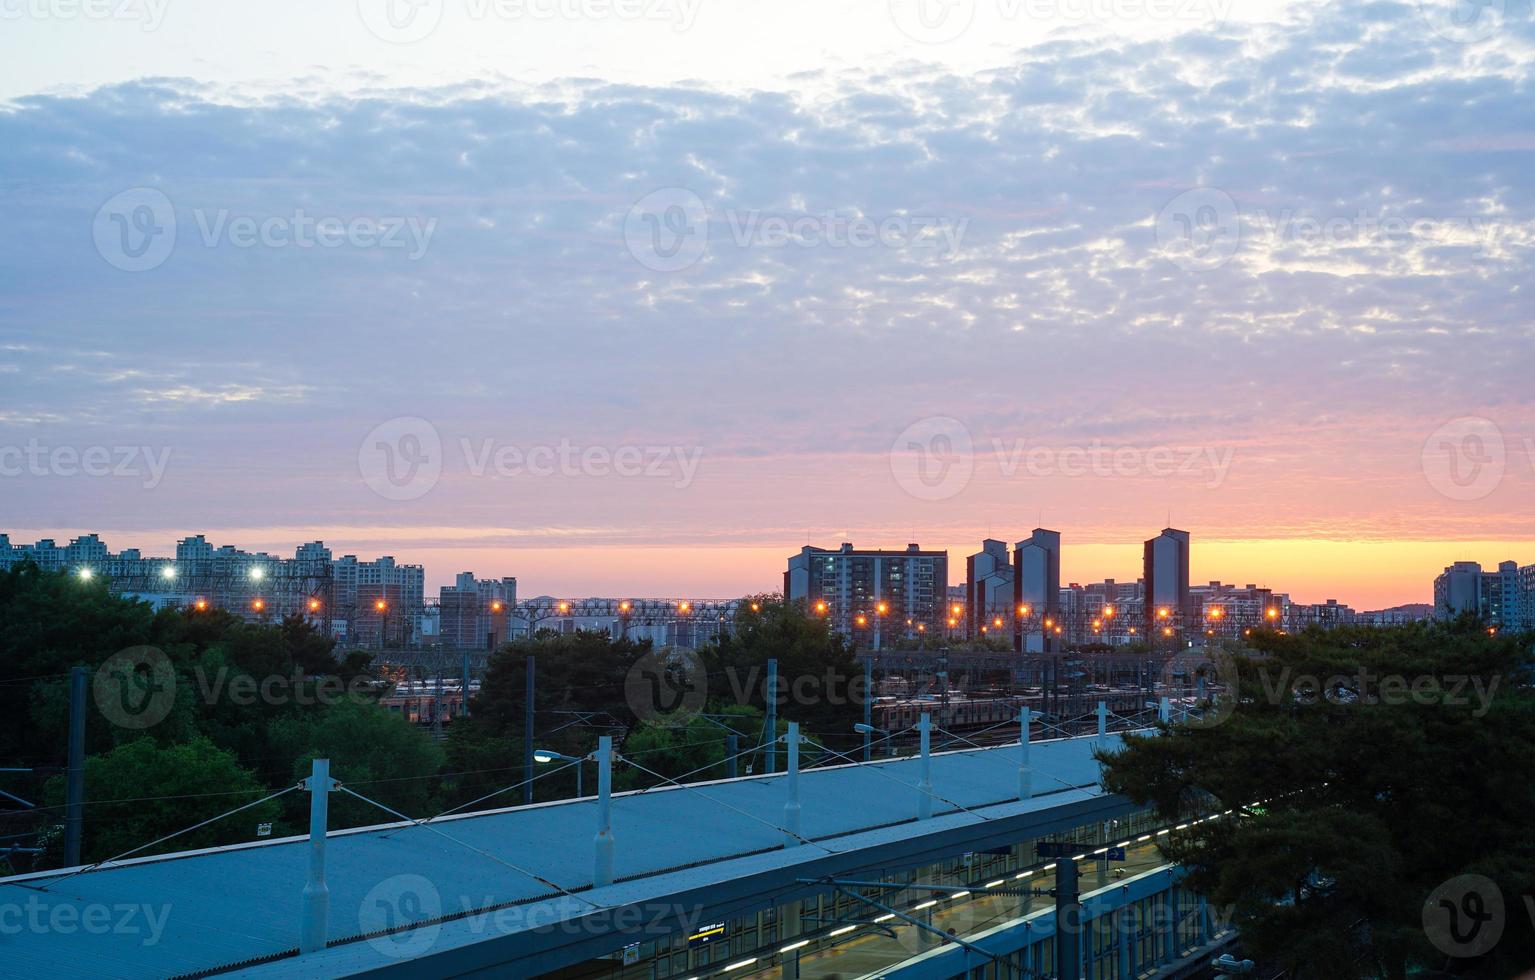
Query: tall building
(1037, 583)
(988, 588)
(1502, 598)
(339, 595)
(475, 613)
(850, 587)
(1166, 564)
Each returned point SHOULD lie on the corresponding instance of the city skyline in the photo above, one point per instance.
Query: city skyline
(1222, 561)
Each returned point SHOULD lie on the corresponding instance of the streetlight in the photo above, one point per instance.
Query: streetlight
(169, 571)
(258, 573)
(259, 605)
(314, 605)
(549, 755)
(86, 574)
(867, 730)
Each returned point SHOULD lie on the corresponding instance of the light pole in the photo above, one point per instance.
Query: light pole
(549, 755)
(867, 730)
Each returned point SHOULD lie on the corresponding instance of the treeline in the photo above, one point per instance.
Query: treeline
(191, 714)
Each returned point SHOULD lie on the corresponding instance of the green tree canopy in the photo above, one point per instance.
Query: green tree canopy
(141, 791)
(1366, 767)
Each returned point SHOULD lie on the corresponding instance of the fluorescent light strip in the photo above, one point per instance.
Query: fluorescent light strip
(737, 966)
(994, 884)
(925, 905)
(842, 931)
(886, 917)
(959, 894)
(793, 946)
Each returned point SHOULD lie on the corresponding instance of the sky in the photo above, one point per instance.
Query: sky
(638, 297)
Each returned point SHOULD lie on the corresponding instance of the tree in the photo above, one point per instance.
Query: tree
(820, 679)
(376, 752)
(141, 791)
(1365, 768)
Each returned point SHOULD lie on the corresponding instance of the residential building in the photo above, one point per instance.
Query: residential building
(871, 594)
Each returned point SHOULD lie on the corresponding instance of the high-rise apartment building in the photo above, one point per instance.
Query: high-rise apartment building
(1166, 564)
(1503, 598)
(871, 595)
(475, 614)
(1037, 583)
(988, 589)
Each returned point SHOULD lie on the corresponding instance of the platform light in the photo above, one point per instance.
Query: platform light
(738, 965)
(842, 931)
(793, 946)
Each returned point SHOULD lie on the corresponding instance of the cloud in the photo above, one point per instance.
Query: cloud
(879, 248)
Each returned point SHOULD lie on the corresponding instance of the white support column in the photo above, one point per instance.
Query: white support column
(925, 784)
(1025, 776)
(603, 872)
(316, 891)
(791, 807)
